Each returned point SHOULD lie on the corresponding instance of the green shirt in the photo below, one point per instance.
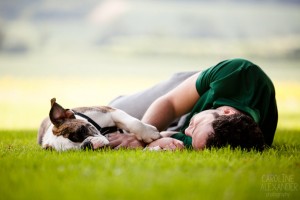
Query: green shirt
(240, 84)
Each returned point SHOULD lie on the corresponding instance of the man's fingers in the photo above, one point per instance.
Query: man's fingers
(112, 136)
(117, 140)
(118, 147)
(170, 146)
(126, 146)
(178, 144)
(114, 143)
(174, 145)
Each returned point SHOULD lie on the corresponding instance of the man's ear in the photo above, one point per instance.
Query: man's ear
(229, 111)
(58, 114)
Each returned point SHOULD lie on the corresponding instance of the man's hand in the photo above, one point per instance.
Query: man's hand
(126, 140)
(167, 144)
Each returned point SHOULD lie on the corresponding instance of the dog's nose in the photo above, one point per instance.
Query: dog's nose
(87, 145)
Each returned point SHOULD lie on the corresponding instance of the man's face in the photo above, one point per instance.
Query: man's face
(201, 126)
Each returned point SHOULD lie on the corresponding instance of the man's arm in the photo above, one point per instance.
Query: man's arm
(162, 112)
(175, 103)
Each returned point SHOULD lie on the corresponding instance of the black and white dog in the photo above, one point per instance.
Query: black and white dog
(85, 127)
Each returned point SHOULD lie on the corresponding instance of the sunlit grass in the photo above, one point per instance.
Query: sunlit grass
(27, 172)
(288, 100)
(25, 102)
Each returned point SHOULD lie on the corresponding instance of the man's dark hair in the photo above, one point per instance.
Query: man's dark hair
(237, 130)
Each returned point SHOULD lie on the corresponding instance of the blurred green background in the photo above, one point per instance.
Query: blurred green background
(88, 52)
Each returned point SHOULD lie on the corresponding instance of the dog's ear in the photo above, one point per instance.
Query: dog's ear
(58, 114)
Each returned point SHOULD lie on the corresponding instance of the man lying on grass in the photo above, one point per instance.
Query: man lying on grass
(232, 103)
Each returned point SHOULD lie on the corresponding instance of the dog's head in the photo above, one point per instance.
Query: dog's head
(66, 125)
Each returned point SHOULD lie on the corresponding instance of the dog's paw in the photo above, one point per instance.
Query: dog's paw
(99, 141)
(95, 142)
(148, 134)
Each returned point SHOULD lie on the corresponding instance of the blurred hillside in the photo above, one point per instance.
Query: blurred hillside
(92, 38)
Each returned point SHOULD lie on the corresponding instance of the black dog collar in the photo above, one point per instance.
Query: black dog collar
(102, 130)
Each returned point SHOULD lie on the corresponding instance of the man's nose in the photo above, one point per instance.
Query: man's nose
(187, 131)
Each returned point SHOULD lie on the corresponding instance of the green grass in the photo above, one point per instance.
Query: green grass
(28, 172)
